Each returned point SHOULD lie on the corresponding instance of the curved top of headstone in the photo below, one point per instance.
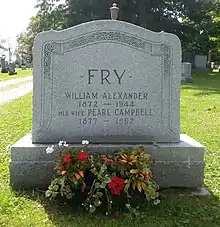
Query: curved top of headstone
(107, 61)
(110, 25)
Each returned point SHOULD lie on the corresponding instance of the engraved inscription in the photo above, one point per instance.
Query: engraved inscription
(105, 76)
(119, 108)
(50, 48)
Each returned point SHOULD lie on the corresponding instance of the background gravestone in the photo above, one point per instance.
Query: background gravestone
(115, 84)
(3, 65)
(186, 72)
(11, 69)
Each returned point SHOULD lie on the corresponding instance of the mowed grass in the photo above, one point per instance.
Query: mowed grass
(20, 73)
(200, 118)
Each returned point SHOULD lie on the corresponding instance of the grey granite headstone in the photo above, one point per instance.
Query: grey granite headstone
(186, 72)
(201, 61)
(114, 84)
(11, 69)
(3, 65)
(107, 81)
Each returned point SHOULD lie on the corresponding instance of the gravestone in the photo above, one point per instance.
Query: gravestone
(186, 72)
(3, 65)
(23, 67)
(115, 84)
(11, 69)
(201, 61)
(124, 95)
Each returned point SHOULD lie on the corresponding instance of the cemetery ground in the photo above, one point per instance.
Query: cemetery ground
(200, 118)
(20, 73)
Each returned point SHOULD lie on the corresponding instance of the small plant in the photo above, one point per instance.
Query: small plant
(103, 178)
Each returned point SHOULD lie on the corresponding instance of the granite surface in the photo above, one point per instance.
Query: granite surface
(106, 81)
(173, 164)
(186, 72)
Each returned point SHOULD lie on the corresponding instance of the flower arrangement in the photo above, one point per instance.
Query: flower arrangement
(103, 178)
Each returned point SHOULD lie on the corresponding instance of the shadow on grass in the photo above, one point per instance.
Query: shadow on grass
(177, 208)
(204, 83)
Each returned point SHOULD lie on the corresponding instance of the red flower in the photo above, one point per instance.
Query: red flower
(116, 185)
(67, 158)
(82, 155)
(103, 157)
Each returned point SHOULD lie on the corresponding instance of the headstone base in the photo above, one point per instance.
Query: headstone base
(12, 73)
(4, 71)
(186, 80)
(174, 164)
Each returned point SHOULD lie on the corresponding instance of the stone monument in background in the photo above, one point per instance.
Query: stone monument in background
(115, 84)
(3, 65)
(11, 69)
(186, 76)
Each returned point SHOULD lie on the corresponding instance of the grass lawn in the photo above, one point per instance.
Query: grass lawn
(21, 73)
(200, 118)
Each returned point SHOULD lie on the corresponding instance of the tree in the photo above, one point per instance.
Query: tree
(193, 21)
(26, 39)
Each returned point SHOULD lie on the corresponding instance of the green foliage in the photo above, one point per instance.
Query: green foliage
(196, 23)
(100, 177)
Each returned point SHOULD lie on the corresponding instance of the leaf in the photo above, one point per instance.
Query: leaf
(107, 180)
(97, 185)
(55, 187)
(77, 176)
(50, 187)
(48, 193)
(92, 209)
(98, 203)
(104, 167)
(133, 185)
(139, 187)
(144, 186)
(126, 187)
(103, 185)
(81, 173)
(54, 194)
(113, 174)
(133, 171)
(99, 194)
(69, 196)
(128, 205)
(63, 172)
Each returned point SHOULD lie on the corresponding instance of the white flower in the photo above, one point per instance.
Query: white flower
(50, 149)
(90, 206)
(62, 144)
(85, 142)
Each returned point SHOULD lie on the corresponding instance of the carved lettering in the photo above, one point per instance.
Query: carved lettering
(99, 112)
(83, 95)
(104, 76)
(63, 113)
(91, 75)
(119, 77)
